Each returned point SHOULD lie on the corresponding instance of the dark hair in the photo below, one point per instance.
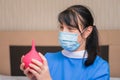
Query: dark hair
(80, 15)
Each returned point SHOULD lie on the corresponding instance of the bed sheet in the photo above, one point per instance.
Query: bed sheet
(4, 77)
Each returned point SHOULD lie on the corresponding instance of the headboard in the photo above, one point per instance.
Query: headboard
(16, 51)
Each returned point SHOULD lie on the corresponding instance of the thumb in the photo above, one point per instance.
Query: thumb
(43, 58)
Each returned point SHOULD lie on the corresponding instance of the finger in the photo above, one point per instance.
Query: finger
(22, 66)
(38, 63)
(43, 58)
(22, 58)
(35, 73)
(35, 67)
(26, 71)
(45, 67)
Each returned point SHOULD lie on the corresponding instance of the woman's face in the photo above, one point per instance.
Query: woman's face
(70, 29)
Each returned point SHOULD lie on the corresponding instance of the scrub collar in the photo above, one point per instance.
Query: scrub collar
(76, 54)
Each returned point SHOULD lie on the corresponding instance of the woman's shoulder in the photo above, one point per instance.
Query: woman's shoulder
(101, 66)
(100, 60)
(100, 63)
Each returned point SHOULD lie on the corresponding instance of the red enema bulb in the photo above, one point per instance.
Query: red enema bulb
(32, 54)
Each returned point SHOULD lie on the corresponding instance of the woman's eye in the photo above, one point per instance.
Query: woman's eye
(71, 29)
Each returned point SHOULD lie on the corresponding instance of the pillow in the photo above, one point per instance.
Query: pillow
(114, 78)
(5, 77)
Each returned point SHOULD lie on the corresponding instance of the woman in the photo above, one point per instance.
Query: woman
(79, 58)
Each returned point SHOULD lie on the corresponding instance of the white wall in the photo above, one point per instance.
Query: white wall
(42, 14)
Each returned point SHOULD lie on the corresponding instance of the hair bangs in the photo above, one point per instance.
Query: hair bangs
(69, 18)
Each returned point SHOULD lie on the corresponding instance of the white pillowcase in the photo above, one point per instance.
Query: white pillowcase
(114, 78)
(4, 77)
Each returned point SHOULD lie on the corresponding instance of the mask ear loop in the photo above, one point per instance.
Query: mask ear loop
(79, 24)
(78, 20)
(81, 32)
(81, 27)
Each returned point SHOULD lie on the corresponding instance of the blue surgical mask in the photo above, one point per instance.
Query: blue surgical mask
(68, 41)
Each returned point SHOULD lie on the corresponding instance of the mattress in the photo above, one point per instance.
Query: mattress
(4, 77)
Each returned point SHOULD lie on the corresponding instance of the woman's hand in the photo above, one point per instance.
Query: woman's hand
(26, 71)
(37, 70)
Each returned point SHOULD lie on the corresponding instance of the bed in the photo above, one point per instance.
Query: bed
(16, 51)
(4, 77)
(115, 78)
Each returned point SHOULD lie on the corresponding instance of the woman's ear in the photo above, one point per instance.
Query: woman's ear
(88, 31)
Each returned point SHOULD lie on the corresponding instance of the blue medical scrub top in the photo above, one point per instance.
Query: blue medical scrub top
(64, 68)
